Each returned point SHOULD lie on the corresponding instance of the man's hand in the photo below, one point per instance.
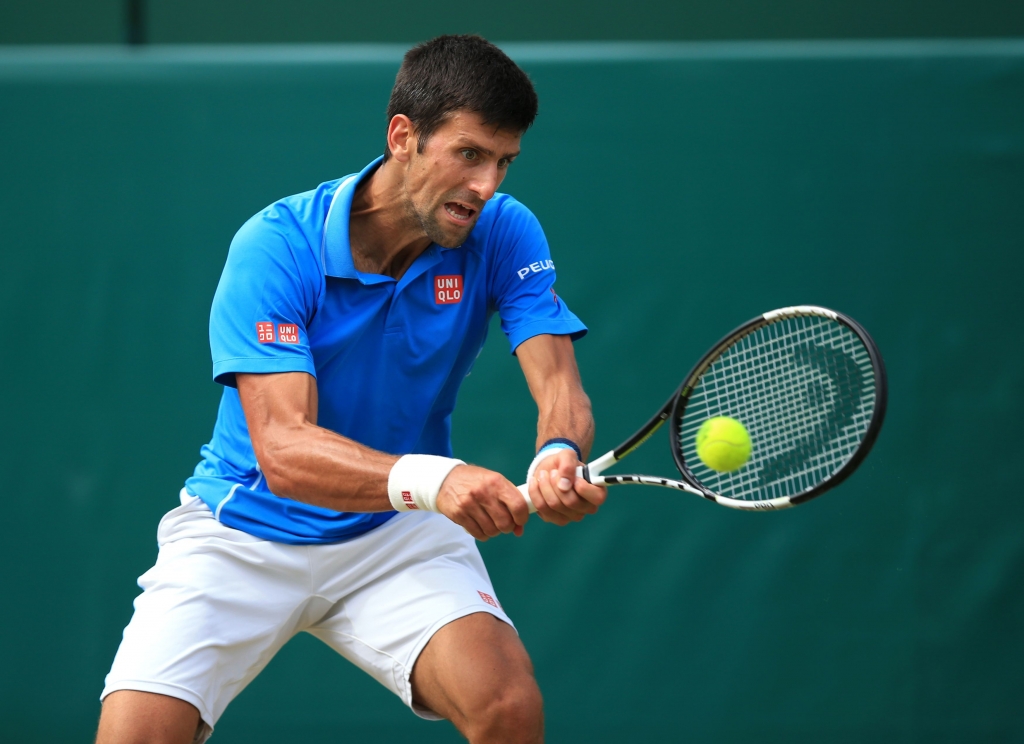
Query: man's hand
(482, 502)
(559, 495)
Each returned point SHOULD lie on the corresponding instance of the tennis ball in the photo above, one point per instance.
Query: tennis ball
(723, 444)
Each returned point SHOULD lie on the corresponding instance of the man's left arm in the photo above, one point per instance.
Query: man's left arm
(549, 365)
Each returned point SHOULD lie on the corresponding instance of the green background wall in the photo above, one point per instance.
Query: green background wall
(684, 188)
(259, 21)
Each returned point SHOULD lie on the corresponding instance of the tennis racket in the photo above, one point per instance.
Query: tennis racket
(808, 384)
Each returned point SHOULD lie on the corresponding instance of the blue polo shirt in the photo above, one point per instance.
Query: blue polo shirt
(388, 356)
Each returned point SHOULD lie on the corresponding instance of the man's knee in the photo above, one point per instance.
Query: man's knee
(514, 713)
(476, 673)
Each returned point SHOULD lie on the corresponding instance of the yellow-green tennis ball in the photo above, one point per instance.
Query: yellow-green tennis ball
(723, 444)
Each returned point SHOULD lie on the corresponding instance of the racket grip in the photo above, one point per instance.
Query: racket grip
(525, 489)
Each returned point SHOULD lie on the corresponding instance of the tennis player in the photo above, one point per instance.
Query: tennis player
(328, 500)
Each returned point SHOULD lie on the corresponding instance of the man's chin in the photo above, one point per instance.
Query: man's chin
(450, 237)
(443, 232)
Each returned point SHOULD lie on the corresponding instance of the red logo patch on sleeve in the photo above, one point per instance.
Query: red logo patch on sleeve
(265, 332)
(287, 333)
(448, 289)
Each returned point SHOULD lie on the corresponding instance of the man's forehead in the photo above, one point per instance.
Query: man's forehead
(469, 125)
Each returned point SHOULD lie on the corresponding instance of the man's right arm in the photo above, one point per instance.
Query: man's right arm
(308, 463)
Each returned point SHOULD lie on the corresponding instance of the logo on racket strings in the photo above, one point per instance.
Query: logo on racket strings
(836, 411)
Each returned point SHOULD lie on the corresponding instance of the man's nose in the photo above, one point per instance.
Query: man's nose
(485, 183)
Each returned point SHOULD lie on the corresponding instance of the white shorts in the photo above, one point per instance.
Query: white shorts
(219, 603)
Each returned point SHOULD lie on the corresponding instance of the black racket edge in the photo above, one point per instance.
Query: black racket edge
(678, 403)
(647, 430)
(642, 435)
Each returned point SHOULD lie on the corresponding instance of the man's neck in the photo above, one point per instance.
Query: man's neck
(384, 235)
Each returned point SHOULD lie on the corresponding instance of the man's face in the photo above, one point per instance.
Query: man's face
(462, 164)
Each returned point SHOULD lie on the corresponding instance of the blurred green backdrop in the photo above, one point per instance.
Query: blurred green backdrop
(261, 21)
(684, 188)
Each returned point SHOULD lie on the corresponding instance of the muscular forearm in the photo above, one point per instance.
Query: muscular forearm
(554, 379)
(303, 461)
(316, 466)
(566, 414)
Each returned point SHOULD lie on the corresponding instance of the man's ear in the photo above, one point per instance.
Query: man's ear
(401, 138)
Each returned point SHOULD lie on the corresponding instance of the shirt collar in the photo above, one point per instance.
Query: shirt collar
(335, 248)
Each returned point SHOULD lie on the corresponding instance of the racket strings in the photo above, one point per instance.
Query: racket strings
(804, 388)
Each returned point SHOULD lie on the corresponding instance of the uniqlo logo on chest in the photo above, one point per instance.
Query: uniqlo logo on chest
(265, 333)
(287, 333)
(448, 289)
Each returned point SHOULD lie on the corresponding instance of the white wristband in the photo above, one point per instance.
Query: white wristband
(544, 454)
(415, 481)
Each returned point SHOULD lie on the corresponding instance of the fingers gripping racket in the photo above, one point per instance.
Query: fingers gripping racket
(806, 382)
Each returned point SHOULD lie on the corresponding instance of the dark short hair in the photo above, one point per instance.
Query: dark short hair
(452, 73)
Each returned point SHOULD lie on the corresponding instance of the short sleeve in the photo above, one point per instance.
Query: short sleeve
(523, 283)
(266, 297)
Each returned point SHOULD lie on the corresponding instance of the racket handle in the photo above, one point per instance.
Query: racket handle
(525, 489)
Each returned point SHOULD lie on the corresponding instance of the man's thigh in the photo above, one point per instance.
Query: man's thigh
(215, 608)
(420, 573)
(476, 673)
(132, 717)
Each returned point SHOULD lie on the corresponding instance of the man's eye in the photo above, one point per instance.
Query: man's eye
(504, 163)
(469, 154)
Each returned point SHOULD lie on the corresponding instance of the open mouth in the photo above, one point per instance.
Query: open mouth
(459, 212)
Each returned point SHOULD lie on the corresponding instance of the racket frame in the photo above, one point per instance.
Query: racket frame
(676, 406)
